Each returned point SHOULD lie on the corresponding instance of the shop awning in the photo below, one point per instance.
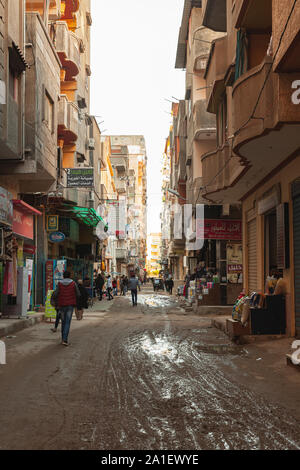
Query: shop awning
(88, 216)
(25, 208)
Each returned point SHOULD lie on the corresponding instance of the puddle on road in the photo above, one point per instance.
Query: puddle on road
(155, 301)
(158, 347)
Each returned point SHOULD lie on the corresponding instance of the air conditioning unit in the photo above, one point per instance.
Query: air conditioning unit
(91, 144)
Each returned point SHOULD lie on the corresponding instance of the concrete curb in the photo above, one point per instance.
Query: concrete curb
(16, 325)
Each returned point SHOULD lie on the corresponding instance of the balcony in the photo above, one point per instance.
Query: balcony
(255, 15)
(121, 253)
(204, 122)
(202, 40)
(67, 47)
(221, 170)
(266, 132)
(120, 163)
(68, 10)
(215, 73)
(120, 186)
(67, 121)
(214, 15)
(288, 57)
(38, 5)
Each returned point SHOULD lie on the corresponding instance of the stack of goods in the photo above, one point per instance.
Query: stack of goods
(241, 309)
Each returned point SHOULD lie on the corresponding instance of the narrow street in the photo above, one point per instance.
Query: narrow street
(148, 377)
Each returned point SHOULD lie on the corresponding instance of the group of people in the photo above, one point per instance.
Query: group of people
(165, 284)
(70, 295)
(111, 286)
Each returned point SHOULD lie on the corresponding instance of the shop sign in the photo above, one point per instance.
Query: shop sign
(29, 249)
(22, 224)
(57, 237)
(52, 223)
(6, 207)
(234, 255)
(60, 268)
(220, 229)
(49, 275)
(80, 177)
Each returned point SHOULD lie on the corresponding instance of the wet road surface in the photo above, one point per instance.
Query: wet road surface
(148, 377)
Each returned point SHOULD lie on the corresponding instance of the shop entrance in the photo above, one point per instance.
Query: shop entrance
(296, 230)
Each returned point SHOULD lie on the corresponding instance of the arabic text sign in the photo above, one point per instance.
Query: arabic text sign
(220, 229)
(80, 177)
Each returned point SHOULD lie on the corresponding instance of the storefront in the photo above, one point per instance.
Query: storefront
(272, 241)
(19, 268)
(6, 220)
(216, 269)
(296, 245)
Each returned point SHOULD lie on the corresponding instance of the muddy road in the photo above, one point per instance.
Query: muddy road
(148, 377)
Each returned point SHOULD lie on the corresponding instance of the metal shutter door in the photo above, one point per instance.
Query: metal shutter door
(252, 256)
(296, 226)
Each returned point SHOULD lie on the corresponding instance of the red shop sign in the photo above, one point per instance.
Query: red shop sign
(22, 224)
(216, 229)
(49, 275)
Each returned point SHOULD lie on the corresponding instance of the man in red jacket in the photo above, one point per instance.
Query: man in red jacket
(67, 295)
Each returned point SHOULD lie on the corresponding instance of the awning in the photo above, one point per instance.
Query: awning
(25, 208)
(88, 216)
(17, 59)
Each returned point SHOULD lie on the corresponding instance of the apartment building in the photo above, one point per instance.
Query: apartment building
(154, 254)
(46, 132)
(253, 79)
(194, 135)
(129, 160)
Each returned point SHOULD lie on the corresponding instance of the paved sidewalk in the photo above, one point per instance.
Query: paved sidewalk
(9, 326)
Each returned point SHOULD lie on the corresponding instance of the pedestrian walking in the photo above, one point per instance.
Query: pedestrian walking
(171, 285)
(115, 287)
(58, 317)
(66, 296)
(109, 288)
(82, 303)
(99, 283)
(133, 285)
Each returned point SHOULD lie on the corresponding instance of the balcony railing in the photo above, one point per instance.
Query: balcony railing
(215, 72)
(204, 122)
(67, 120)
(38, 5)
(120, 186)
(287, 59)
(253, 14)
(67, 47)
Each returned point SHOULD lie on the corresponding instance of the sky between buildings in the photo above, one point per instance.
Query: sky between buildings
(133, 47)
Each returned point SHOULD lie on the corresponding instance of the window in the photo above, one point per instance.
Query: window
(49, 112)
(14, 85)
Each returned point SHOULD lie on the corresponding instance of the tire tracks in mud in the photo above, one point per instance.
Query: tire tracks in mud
(166, 404)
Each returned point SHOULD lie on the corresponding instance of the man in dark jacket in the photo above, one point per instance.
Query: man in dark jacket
(133, 285)
(82, 303)
(67, 295)
(99, 285)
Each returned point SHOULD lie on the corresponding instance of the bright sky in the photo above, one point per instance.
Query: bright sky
(134, 45)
